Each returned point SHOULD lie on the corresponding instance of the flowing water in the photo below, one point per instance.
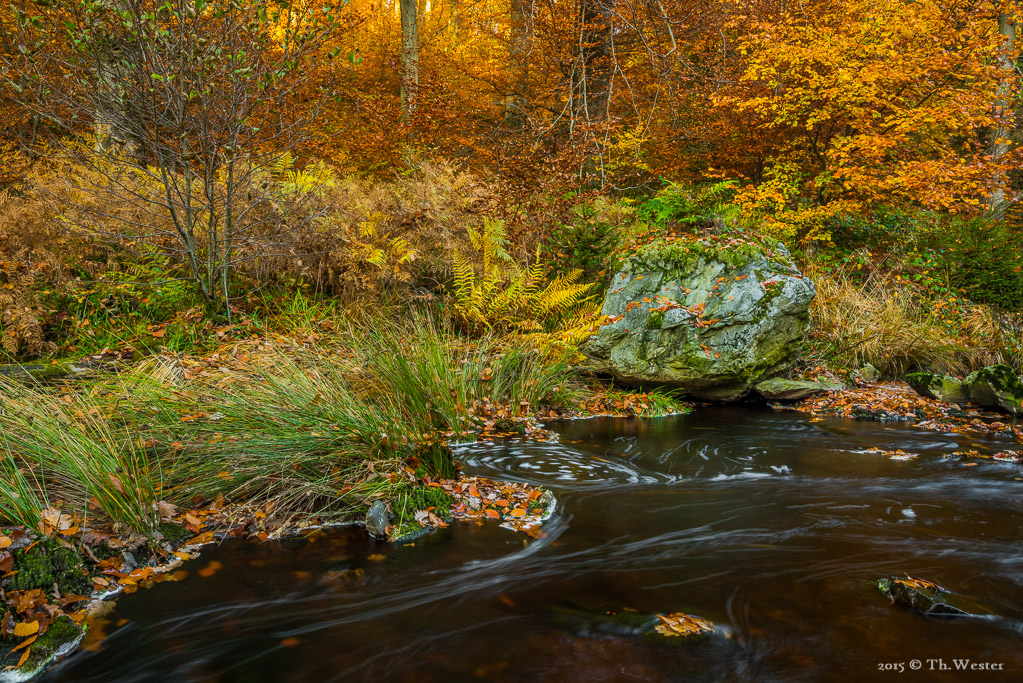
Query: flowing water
(772, 525)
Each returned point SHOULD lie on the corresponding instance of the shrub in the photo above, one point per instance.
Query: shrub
(585, 244)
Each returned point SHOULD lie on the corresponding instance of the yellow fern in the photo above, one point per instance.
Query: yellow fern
(492, 291)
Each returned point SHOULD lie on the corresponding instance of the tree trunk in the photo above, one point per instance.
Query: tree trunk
(515, 100)
(409, 74)
(1000, 133)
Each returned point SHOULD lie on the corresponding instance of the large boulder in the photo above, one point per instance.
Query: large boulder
(710, 317)
(997, 387)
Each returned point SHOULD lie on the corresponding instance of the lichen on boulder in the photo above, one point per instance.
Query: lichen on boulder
(712, 317)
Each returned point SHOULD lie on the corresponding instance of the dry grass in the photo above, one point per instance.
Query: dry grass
(885, 323)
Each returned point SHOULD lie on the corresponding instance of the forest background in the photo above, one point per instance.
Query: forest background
(182, 173)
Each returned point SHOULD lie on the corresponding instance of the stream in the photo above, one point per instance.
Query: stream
(772, 525)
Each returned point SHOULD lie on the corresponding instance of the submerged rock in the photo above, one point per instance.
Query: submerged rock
(939, 387)
(929, 598)
(712, 319)
(778, 389)
(377, 520)
(997, 387)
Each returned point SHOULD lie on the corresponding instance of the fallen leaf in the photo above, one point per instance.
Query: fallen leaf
(25, 643)
(26, 628)
(210, 569)
(290, 642)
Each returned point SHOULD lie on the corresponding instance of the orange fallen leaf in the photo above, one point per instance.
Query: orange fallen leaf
(492, 513)
(26, 628)
(376, 557)
(25, 643)
(518, 512)
(210, 569)
(290, 642)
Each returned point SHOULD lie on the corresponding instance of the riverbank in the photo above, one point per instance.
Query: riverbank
(117, 478)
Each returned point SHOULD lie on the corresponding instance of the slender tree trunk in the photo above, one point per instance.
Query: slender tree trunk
(409, 74)
(515, 100)
(999, 135)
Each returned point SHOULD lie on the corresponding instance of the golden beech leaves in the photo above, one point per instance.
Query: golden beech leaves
(869, 101)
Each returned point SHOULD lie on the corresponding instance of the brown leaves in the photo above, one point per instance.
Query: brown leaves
(514, 503)
(896, 400)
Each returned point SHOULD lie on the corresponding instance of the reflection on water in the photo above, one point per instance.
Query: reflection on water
(768, 524)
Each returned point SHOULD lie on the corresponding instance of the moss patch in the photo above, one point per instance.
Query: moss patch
(50, 562)
(175, 534)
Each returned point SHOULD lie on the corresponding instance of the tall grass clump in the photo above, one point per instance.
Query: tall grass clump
(883, 322)
(91, 464)
(327, 432)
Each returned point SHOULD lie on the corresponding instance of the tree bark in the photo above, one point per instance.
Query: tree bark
(409, 72)
(1000, 143)
(515, 100)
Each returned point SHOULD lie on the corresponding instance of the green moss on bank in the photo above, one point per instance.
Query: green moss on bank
(47, 563)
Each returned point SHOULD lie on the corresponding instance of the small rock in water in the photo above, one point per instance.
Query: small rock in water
(377, 520)
(928, 597)
(778, 389)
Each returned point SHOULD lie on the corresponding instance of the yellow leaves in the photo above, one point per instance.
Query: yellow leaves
(679, 624)
(26, 628)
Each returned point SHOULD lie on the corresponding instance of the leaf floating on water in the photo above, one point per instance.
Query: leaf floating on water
(210, 569)
(680, 624)
(290, 642)
(376, 557)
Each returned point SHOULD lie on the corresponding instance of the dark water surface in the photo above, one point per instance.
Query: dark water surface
(769, 524)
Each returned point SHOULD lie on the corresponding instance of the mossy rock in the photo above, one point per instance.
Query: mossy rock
(939, 387)
(711, 319)
(778, 389)
(47, 563)
(60, 639)
(406, 528)
(996, 386)
(175, 534)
